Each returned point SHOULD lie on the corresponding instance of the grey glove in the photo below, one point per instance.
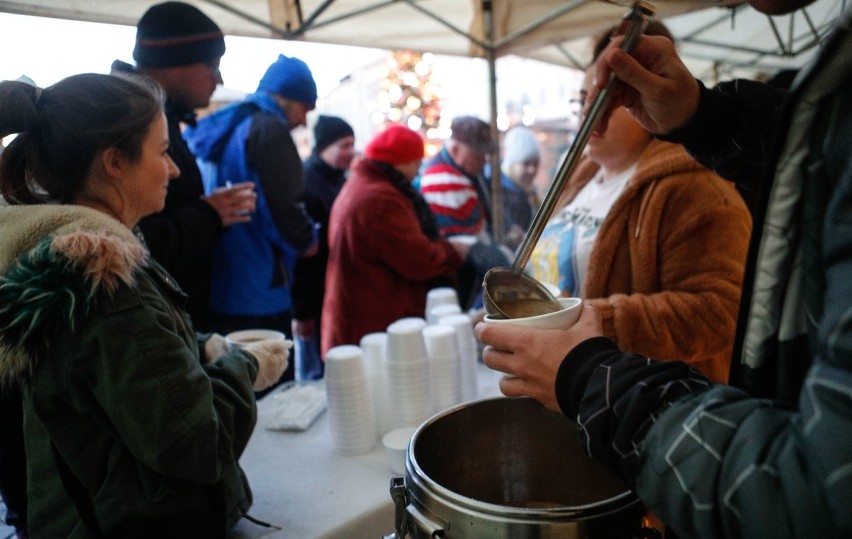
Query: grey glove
(272, 358)
(215, 347)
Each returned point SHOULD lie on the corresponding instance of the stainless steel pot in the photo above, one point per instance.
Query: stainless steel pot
(509, 468)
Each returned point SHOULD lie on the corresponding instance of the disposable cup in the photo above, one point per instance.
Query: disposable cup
(443, 295)
(413, 371)
(373, 345)
(413, 320)
(564, 318)
(405, 340)
(344, 362)
(350, 409)
(435, 313)
(355, 400)
(468, 353)
(396, 443)
(440, 341)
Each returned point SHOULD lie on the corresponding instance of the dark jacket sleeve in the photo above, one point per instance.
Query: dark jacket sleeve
(732, 130)
(309, 273)
(625, 391)
(709, 459)
(182, 235)
(272, 155)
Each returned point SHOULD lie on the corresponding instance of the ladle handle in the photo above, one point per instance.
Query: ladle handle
(633, 25)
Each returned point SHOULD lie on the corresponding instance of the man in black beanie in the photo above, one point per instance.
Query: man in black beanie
(179, 47)
(325, 172)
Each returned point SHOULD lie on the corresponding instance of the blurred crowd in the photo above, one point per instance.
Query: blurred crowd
(137, 236)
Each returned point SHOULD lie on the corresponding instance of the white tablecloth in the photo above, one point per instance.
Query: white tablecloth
(302, 485)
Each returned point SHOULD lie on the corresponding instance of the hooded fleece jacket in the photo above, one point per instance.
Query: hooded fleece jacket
(667, 266)
(92, 328)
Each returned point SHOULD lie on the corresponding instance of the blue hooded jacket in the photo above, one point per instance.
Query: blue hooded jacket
(251, 262)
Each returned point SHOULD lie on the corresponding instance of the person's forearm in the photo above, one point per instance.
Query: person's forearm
(614, 396)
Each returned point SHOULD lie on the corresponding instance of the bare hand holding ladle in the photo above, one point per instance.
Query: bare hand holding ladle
(508, 292)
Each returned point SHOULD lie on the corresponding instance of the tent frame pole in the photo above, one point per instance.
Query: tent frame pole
(496, 209)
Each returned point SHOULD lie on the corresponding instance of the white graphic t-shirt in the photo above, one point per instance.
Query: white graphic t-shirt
(561, 256)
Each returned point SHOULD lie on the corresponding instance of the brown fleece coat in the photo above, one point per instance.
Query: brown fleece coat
(666, 269)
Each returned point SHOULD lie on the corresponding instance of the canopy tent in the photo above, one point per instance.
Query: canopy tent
(717, 39)
(723, 38)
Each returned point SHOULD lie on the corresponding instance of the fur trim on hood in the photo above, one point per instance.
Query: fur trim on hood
(55, 261)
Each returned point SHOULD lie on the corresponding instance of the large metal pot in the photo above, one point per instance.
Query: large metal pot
(509, 468)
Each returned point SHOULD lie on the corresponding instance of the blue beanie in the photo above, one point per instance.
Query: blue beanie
(290, 78)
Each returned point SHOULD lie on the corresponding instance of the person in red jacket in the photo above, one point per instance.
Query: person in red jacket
(385, 250)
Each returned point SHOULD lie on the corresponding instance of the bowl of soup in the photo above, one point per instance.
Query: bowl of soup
(525, 315)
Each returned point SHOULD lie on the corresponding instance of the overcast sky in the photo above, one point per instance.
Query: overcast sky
(48, 50)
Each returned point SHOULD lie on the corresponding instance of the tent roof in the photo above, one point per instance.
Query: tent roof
(723, 38)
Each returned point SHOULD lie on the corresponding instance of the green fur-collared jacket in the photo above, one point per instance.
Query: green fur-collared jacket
(93, 330)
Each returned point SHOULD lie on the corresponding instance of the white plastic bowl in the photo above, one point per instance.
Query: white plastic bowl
(241, 339)
(562, 319)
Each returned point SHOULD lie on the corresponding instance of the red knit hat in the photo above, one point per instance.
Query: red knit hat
(396, 145)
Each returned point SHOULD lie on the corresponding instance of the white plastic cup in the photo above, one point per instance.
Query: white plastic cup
(445, 366)
(468, 353)
(443, 295)
(373, 348)
(405, 340)
(350, 407)
(438, 311)
(440, 340)
(396, 444)
(408, 393)
(344, 362)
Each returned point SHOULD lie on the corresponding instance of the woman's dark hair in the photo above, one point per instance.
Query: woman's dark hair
(653, 28)
(61, 129)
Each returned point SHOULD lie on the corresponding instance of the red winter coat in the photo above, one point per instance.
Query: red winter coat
(380, 262)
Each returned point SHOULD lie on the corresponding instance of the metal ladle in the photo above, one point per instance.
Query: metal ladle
(509, 292)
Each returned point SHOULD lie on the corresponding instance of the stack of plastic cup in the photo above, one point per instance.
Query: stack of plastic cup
(350, 410)
(415, 321)
(440, 296)
(373, 347)
(468, 352)
(442, 347)
(407, 374)
(439, 311)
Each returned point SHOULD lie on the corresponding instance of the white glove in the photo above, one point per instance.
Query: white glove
(272, 358)
(215, 347)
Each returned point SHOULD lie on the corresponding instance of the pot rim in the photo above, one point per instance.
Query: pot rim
(418, 481)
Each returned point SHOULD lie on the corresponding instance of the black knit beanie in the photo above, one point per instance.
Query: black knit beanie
(328, 130)
(176, 34)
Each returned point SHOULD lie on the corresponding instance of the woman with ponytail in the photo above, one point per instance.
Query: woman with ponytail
(133, 424)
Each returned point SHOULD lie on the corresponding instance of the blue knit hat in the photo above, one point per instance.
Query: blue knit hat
(290, 78)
